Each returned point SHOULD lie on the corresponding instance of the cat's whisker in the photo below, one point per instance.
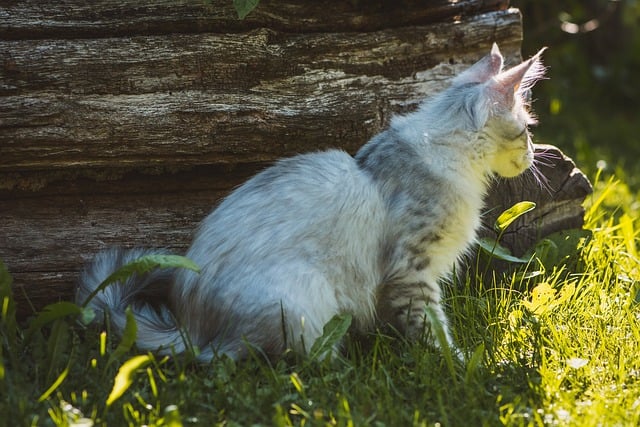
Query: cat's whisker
(545, 159)
(547, 153)
(545, 162)
(540, 178)
(547, 156)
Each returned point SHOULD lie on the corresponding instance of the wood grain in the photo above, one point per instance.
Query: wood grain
(123, 123)
(177, 100)
(48, 235)
(28, 19)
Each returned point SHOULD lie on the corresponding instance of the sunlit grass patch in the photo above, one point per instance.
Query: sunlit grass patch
(580, 332)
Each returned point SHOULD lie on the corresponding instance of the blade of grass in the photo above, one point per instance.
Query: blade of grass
(55, 385)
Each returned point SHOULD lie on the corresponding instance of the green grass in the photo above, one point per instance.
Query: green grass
(558, 348)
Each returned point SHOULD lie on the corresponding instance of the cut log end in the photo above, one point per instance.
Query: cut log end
(558, 189)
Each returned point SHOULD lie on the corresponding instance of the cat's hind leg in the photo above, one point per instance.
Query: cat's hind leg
(413, 308)
(307, 303)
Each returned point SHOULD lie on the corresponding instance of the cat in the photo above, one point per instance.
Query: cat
(325, 233)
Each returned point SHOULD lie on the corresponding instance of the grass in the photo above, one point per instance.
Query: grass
(557, 348)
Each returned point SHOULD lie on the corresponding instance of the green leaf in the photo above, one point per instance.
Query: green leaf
(87, 315)
(496, 250)
(332, 333)
(125, 375)
(473, 364)
(628, 234)
(128, 337)
(636, 291)
(514, 212)
(547, 252)
(562, 247)
(441, 338)
(52, 312)
(244, 7)
(58, 344)
(141, 266)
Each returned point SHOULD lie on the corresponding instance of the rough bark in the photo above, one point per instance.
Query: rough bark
(28, 19)
(124, 123)
(183, 100)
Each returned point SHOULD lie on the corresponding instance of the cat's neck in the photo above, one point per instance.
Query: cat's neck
(449, 153)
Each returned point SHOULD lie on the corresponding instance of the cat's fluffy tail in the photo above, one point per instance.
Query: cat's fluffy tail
(156, 326)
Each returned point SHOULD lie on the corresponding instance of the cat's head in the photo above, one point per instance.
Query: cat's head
(501, 111)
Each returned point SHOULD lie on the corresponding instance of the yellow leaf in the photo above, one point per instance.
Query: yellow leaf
(514, 212)
(124, 377)
(566, 292)
(297, 382)
(541, 298)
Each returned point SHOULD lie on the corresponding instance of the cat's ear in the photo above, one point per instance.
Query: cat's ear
(483, 70)
(517, 80)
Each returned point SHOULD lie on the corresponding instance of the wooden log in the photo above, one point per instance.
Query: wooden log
(49, 234)
(33, 19)
(124, 123)
(178, 100)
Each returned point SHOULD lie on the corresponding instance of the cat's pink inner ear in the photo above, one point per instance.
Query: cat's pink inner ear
(511, 79)
(483, 70)
(508, 82)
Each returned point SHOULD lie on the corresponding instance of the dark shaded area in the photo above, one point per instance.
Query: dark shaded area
(28, 19)
(589, 106)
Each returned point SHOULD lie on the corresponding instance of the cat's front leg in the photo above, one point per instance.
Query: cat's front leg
(405, 305)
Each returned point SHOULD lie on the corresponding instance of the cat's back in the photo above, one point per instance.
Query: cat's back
(311, 206)
(314, 185)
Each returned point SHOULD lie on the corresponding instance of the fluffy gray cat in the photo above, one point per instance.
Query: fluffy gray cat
(325, 233)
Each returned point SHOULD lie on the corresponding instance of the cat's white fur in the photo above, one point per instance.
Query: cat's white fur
(323, 233)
